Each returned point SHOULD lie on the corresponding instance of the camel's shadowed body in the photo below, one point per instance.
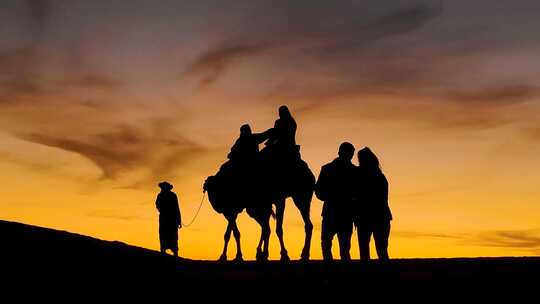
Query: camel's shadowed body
(271, 182)
(229, 194)
(289, 176)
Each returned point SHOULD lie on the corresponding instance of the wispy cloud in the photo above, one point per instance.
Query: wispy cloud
(310, 39)
(124, 149)
(501, 95)
(521, 239)
(212, 65)
(39, 13)
(35, 165)
(93, 81)
(527, 240)
(427, 235)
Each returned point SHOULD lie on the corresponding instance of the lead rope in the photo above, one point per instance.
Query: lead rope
(196, 213)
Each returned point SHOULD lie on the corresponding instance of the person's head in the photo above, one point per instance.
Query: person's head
(284, 112)
(367, 159)
(245, 130)
(165, 186)
(346, 151)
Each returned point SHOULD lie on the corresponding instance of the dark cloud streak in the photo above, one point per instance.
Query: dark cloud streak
(328, 41)
(212, 65)
(126, 148)
(39, 12)
(358, 34)
(515, 239)
(509, 239)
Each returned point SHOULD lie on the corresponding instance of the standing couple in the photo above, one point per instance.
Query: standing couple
(354, 195)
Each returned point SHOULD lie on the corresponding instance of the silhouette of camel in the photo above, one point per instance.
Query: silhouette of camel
(268, 177)
(288, 176)
(230, 193)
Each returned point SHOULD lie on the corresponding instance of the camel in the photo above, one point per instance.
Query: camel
(290, 177)
(229, 194)
(269, 185)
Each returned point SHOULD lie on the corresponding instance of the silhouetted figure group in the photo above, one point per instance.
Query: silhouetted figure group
(256, 180)
(354, 195)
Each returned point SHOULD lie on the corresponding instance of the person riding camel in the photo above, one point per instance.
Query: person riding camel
(282, 141)
(245, 150)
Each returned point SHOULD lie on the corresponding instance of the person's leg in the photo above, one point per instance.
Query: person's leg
(381, 234)
(327, 234)
(175, 242)
(162, 242)
(162, 248)
(344, 238)
(364, 235)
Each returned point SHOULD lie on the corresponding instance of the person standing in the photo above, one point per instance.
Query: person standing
(334, 187)
(170, 219)
(372, 215)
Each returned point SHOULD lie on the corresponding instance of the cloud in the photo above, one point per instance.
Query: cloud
(39, 14)
(306, 38)
(360, 34)
(501, 95)
(36, 165)
(93, 81)
(124, 149)
(19, 77)
(210, 66)
(519, 239)
(26, 72)
(427, 235)
(349, 50)
(528, 240)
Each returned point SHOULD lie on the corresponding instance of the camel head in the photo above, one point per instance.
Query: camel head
(209, 183)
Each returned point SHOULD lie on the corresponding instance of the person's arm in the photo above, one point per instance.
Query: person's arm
(385, 196)
(321, 185)
(261, 137)
(384, 188)
(158, 203)
(272, 136)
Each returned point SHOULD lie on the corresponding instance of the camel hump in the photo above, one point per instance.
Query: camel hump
(211, 186)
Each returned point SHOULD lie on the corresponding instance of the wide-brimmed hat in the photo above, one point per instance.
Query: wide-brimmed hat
(165, 186)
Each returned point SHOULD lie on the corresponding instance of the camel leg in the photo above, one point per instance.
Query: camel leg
(304, 206)
(236, 234)
(261, 240)
(266, 234)
(226, 238)
(280, 212)
(262, 249)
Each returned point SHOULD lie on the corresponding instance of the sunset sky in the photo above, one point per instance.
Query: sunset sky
(101, 100)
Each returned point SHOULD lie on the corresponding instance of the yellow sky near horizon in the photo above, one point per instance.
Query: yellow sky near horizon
(101, 100)
(450, 192)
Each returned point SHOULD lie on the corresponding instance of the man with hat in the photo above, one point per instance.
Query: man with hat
(169, 218)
